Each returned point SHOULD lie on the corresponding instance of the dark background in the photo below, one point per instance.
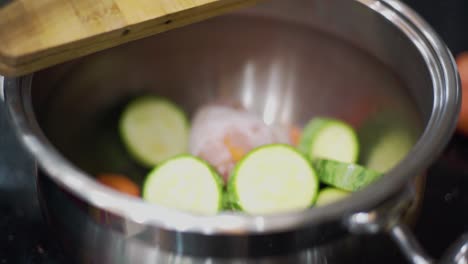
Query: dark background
(24, 238)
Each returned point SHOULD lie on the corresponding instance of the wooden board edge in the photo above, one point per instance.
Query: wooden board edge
(28, 63)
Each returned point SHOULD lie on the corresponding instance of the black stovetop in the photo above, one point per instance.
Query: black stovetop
(24, 237)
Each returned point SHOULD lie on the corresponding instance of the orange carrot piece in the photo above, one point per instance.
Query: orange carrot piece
(295, 134)
(462, 63)
(120, 183)
(237, 153)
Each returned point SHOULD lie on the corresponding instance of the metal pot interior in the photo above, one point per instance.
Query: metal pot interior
(284, 71)
(286, 61)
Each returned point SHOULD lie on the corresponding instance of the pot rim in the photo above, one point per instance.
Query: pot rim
(441, 125)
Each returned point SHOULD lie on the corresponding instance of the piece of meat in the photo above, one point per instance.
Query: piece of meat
(221, 135)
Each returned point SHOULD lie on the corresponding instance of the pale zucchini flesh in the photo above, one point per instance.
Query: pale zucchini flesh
(387, 137)
(153, 129)
(330, 195)
(185, 183)
(328, 138)
(273, 179)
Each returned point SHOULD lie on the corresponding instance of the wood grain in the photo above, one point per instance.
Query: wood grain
(36, 34)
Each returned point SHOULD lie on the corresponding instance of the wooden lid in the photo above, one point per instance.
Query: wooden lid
(35, 34)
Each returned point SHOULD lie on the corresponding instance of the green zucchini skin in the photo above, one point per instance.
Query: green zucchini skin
(342, 146)
(309, 132)
(345, 176)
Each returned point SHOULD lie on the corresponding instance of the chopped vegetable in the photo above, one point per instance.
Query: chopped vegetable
(154, 129)
(236, 152)
(330, 139)
(345, 176)
(264, 172)
(329, 195)
(186, 183)
(222, 135)
(295, 135)
(120, 183)
(386, 139)
(273, 179)
(462, 62)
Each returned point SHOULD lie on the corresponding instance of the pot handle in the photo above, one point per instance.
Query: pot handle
(388, 219)
(408, 244)
(458, 252)
(406, 241)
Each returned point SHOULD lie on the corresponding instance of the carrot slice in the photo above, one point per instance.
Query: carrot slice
(120, 183)
(295, 135)
(237, 153)
(462, 63)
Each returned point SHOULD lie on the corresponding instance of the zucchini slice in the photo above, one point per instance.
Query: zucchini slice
(273, 179)
(186, 183)
(329, 139)
(387, 138)
(346, 176)
(330, 195)
(154, 129)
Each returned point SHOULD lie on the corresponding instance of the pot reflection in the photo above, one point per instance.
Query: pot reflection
(283, 66)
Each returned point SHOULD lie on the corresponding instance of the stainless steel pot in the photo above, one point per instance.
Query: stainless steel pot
(286, 60)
